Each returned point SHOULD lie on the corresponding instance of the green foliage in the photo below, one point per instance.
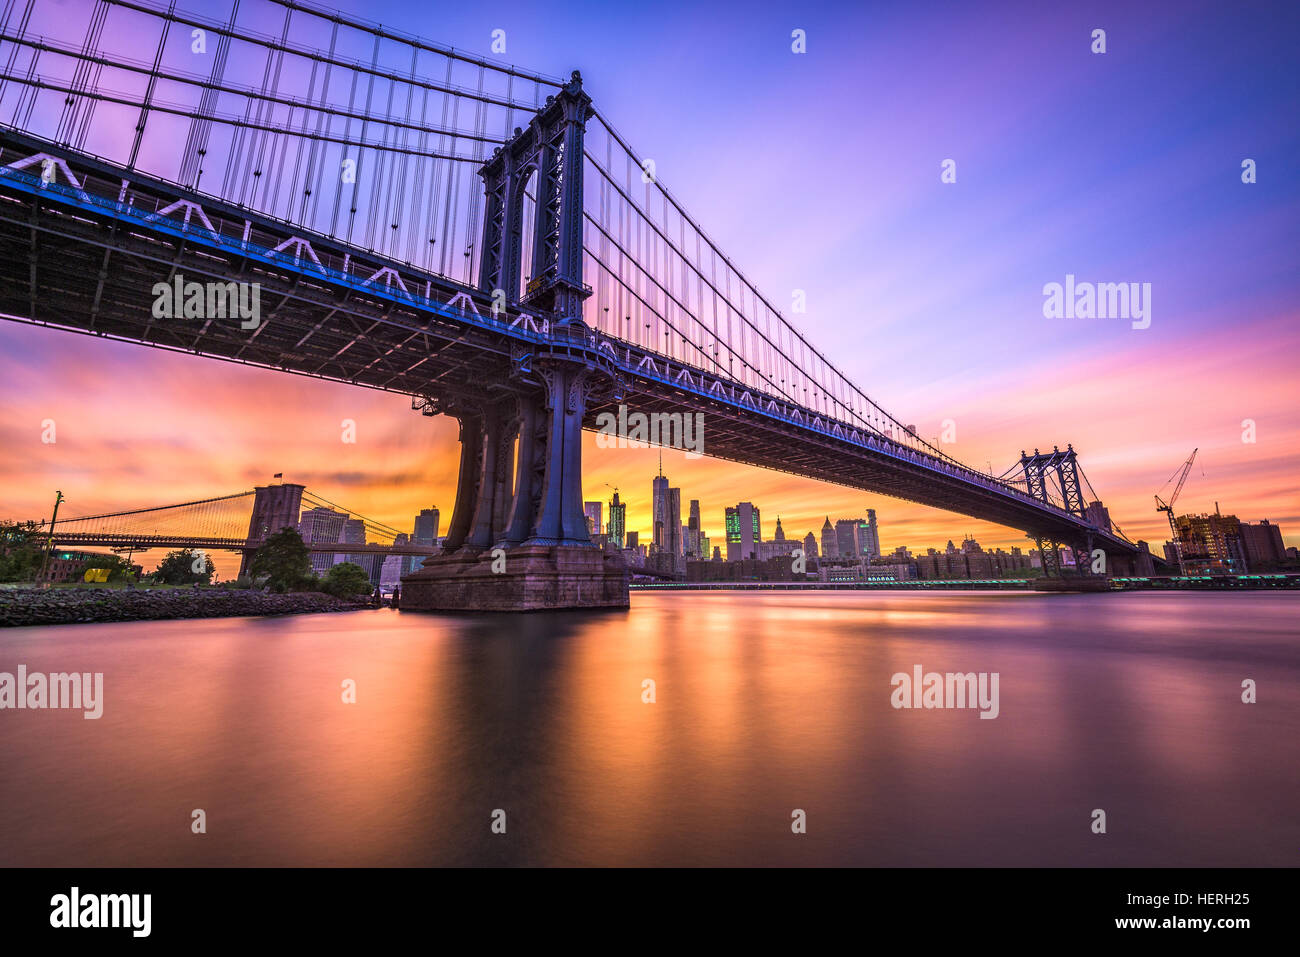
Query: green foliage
(119, 569)
(21, 548)
(345, 580)
(179, 568)
(284, 561)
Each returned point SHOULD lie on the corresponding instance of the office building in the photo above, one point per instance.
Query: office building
(658, 508)
(617, 521)
(744, 531)
(868, 536)
(593, 512)
(426, 527)
(322, 525)
(1263, 544)
(1212, 544)
(830, 544)
(846, 538)
(693, 530)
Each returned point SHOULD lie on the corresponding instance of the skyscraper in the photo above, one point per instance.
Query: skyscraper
(866, 537)
(673, 525)
(426, 527)
(617, 521)
(322, 525)
(693, 531)
(846, 538)
(830, 544)
(658, 507)
(593, 512)
(744, 531)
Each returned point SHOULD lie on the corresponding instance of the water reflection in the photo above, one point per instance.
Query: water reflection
(764, 703)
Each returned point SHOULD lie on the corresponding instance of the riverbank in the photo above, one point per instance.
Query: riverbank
(67, 606)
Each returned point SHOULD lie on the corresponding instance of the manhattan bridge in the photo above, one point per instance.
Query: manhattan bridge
(425, 221)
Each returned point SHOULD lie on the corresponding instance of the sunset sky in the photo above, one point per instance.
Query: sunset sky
(821, 171)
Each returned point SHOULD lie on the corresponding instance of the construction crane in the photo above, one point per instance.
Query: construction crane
(1168, 508)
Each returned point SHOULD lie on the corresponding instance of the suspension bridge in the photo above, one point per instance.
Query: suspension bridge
(239, 522)
(417, 219)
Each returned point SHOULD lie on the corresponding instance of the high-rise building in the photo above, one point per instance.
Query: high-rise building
(617, 521)
(426, 527)
(810, 547)
(673, 524)
(830, 544)
(779, 534)
(744, 531)
(593, 512)
(693, 531)
(632, 540)
(1263, 544)
(867, 536)
(322, 525)
(846, 538)
(658, 507)
(1212, 543)
(354, 532)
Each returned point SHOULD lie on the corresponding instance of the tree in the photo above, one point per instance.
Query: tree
(284, 560)
(119, 569)
(345, 580)
(21, 551)
(178, 568)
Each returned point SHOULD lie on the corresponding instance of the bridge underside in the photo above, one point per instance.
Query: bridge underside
(89, 271)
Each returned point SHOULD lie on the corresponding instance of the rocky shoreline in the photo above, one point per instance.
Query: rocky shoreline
(70, 606)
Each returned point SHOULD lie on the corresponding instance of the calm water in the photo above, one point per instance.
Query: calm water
(765, 703)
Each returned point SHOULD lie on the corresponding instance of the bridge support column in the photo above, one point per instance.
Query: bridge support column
(467, 482)
(542, 557)
(1054, 579)
(1142, 564)
(560, 519)
(1049, 557)
(495, 480)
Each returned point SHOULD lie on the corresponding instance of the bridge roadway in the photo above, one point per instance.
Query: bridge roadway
(83, 252)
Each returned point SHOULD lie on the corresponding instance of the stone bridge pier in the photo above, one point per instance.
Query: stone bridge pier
(518, 537)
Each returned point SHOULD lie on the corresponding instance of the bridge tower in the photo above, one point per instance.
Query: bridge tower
(1038, 468)
(274, 507)
(551, 146)
(518, 537)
